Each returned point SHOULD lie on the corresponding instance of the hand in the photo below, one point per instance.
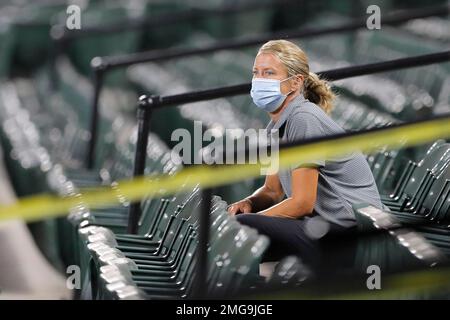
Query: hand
(243, 206)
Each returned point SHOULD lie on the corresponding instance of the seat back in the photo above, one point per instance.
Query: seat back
(433, 163)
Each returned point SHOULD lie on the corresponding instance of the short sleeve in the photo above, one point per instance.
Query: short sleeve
(304, 126)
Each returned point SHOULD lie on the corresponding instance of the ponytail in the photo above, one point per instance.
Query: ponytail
(319, 92)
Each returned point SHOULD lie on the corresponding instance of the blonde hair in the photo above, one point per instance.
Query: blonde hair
(295, 60)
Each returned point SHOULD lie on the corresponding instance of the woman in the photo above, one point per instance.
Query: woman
(297, 207)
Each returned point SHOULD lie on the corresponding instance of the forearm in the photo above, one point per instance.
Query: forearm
(288, 208)
(262, 199)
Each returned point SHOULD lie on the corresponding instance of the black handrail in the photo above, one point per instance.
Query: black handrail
(393, 18)
(102, 65)
(200, 279)
(156, 102)
(331, 75)
(143, 120)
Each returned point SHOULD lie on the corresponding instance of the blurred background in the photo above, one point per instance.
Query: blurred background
(47, 93)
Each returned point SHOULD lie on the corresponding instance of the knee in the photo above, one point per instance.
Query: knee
(248, 219)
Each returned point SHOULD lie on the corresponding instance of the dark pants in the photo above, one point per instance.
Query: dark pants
(289, 236)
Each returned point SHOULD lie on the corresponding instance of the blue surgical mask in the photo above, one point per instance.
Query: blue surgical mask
(266, 93)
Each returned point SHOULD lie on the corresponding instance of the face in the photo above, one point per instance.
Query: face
(268, 66)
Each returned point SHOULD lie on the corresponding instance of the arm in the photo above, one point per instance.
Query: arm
(268, 195)
(303, 199)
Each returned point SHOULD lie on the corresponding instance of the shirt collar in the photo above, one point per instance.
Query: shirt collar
(296, 102)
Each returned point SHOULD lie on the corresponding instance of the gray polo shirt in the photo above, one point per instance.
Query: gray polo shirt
(342, 181)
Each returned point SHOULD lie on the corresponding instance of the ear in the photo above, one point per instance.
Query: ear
(297, 82)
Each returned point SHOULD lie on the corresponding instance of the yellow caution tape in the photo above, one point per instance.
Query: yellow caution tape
(46, 206)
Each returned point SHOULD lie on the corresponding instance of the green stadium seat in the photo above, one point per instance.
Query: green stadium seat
(415, 179)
